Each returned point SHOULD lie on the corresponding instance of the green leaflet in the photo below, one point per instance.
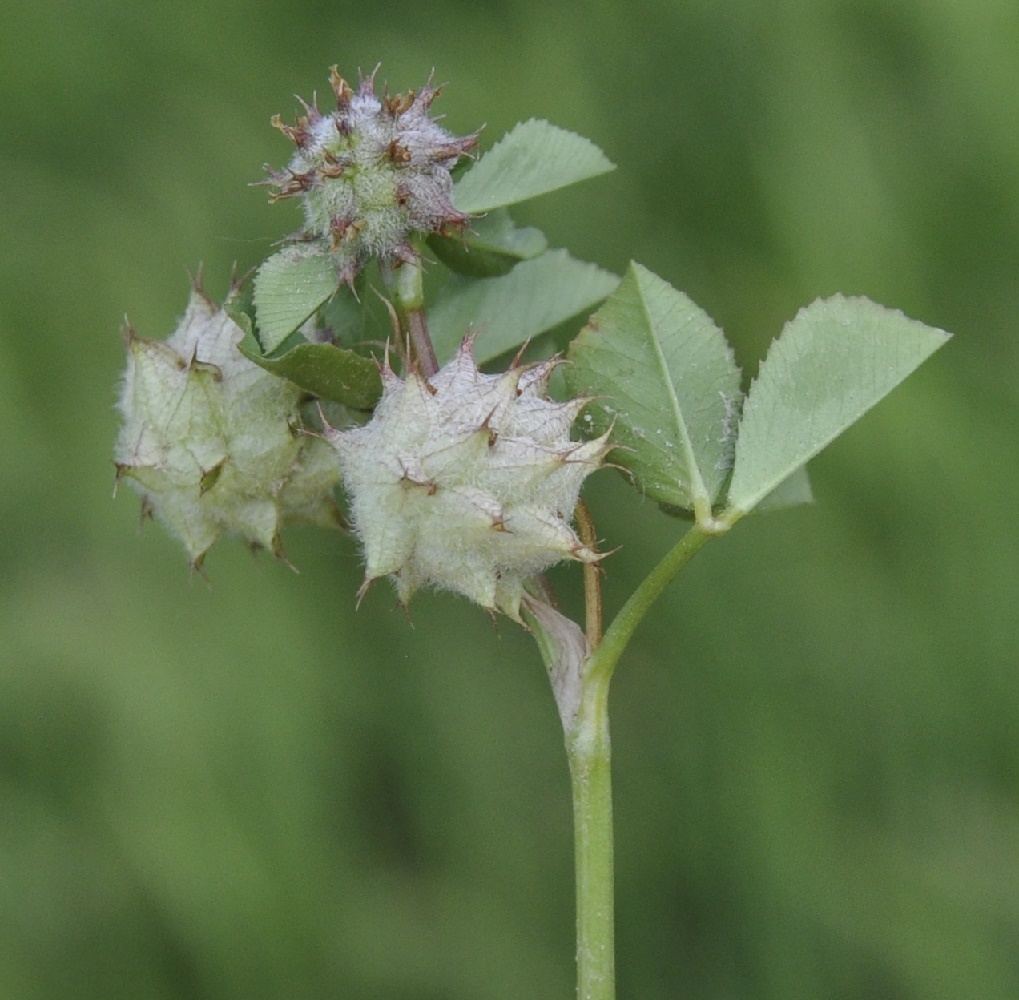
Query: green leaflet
(327, 371)
(663, 378)
(531, 159)
(535, 296)
(289, 287)
(832, 363)
(490, 247)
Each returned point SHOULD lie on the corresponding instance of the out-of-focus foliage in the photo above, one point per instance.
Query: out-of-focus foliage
(243, 788)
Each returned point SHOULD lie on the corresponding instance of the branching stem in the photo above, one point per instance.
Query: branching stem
(633, 611)
(589, 750)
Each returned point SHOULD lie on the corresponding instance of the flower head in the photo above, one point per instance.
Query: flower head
(371, 174)
(467, 481)
(213, 443)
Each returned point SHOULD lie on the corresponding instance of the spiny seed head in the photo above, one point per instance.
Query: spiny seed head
(371, 174)
(213, 443)
(467, 481)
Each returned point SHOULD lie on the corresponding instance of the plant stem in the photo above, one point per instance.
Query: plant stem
(588, 748)
(619, 633)
(407, 286)
(592, 577)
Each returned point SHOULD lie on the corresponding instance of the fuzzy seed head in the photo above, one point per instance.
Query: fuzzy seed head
(467, 481)
(213, 443)
(371, 174)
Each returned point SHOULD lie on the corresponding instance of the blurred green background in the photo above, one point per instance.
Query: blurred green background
(242, 788)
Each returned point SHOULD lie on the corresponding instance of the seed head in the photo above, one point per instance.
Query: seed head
(467, 481)
(372, 173)
(213, 443)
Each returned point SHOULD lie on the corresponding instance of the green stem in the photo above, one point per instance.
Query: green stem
(588, 748)
(633, 611)
(406, 283)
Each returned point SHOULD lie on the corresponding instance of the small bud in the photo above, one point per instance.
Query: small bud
(467, 481)
(213, 443)
(372, 174)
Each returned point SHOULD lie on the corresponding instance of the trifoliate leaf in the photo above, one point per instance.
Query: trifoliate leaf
(329, 372)
(831, 364)
(289, 287)
(532, 159)
(663, 377)
(535, 296)
(492, 246)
